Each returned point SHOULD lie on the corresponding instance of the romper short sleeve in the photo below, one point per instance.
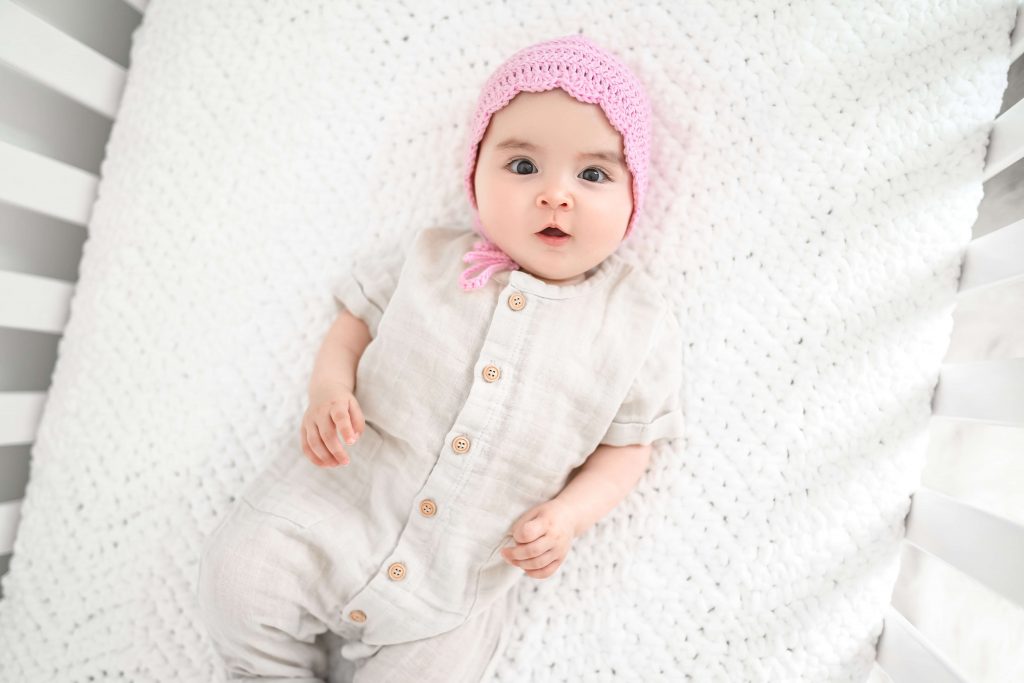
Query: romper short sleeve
(366, 288)
(652, 408)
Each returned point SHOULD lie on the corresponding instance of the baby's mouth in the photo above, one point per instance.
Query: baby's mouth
(553, 232)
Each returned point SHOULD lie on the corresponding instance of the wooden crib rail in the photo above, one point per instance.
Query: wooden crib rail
(48, 55)
(989, 391)
(35, 182)
(42, 305)
(62, 71)
(905, 655)
(984, 546)
(996, 258)
(988, 547)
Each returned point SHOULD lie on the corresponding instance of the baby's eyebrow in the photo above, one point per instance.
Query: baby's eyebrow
(610, 157)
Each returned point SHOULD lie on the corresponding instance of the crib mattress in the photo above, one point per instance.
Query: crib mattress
(815, 174)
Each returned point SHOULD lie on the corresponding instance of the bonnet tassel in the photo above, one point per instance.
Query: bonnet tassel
(487, 255)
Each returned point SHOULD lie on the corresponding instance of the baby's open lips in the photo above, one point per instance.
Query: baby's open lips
(554, 232)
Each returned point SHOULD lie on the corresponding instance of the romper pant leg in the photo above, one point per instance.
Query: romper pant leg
(466, 654)
(255, 597)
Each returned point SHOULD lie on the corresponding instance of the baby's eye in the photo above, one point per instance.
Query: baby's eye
(515, 164)
(594, 168)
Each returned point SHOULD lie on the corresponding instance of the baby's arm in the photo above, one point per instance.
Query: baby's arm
(600, 483)
(333, 412)
(339, 354)
(544, 533)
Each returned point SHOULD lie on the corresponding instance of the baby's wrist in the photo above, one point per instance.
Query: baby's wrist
(327, 388)
(572, 514)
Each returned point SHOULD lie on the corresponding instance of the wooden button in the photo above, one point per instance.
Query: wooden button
(396, 571)
(460, 444)
(516, 301)
(357, 615)
(491, 373)
(427, 507)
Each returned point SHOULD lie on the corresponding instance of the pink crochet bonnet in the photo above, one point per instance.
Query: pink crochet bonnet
(589, 74)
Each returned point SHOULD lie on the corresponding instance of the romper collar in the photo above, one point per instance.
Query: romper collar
(525, 282)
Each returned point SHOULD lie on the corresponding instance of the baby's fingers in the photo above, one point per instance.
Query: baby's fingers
(545, 572)
(343, 424)
(357, 417)
(310, 455)
(329, 456)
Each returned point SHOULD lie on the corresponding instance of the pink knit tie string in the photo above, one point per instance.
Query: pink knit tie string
(487, 255)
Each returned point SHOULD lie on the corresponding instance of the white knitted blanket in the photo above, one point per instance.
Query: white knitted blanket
(816, 168)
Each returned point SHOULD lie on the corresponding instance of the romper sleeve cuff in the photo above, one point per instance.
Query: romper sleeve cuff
(652, 409)
(349, 294)
(366, 287)
(668, 426)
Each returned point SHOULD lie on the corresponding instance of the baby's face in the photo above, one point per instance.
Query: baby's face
(520, 189)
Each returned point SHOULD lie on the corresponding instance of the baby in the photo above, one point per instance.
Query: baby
(488, 418)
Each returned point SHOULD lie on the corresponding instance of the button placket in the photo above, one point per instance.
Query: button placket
(461, 443)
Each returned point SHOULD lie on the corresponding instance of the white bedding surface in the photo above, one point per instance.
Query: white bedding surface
(815, 174)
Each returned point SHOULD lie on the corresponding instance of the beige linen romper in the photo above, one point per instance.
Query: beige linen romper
(478, 405)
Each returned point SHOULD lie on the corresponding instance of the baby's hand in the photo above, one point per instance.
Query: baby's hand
(332, 412)
(544, 534)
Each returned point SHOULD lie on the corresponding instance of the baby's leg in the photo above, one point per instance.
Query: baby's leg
(257, 598)
(467, 654)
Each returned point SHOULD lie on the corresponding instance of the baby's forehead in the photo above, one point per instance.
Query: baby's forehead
(582, 135)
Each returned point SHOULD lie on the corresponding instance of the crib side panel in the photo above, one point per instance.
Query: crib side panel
(62, 71)
(959, 592)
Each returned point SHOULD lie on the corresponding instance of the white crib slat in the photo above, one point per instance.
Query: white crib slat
(906, 656)
(990, 391)
(44, 185)
(984, 546)
(34, 302)
(50, 56)
(1006, 140)
(995, 258)
(10, 513)
(20, 412)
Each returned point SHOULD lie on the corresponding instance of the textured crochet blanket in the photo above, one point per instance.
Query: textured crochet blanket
(815, 173)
